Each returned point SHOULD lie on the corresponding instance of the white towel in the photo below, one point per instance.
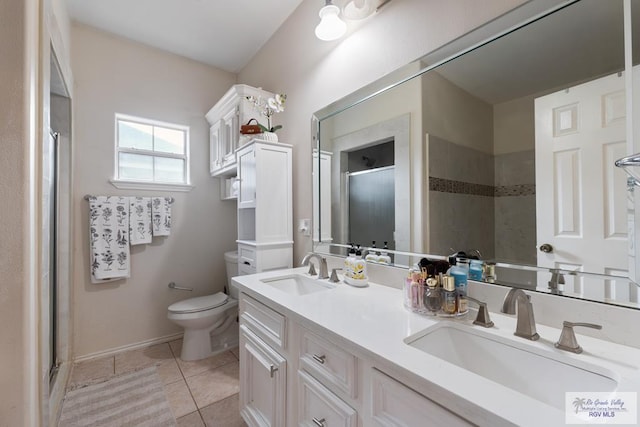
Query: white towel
(139, 220)
(161, 215)
(108, 238)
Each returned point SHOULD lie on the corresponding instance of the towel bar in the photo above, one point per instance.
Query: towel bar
(88, 196)
(172, 285)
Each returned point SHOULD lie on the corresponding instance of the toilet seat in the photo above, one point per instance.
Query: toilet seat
(197, 304)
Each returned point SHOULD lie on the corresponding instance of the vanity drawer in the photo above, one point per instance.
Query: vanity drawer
(328, 363)
(265, 322)
(396, 405)
(246, 253)
(319, 407)
(245, 269)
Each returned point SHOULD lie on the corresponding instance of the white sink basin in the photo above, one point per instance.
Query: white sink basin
(297, 284)
(519, 366)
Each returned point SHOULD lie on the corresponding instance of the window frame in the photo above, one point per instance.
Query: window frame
(151, 184)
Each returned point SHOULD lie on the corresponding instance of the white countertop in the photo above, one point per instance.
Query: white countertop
(374, 320)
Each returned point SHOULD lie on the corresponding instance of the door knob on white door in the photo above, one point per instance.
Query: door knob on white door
(546, 248)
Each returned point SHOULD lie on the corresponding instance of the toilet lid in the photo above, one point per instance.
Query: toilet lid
(193, 305)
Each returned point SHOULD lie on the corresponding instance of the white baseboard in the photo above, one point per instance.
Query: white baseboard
(128, 347)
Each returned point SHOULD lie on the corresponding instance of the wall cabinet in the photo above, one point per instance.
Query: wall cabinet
(265, 222)
(225, 118)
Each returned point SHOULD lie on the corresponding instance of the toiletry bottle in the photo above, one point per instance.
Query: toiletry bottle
(432, 296)
(348, 261)
(448, 295)
(416, 292)
(359, 266)
(384, 257)
(475, 269)
(460, 273)
(407, 288)
(490, 272)
(372, 256)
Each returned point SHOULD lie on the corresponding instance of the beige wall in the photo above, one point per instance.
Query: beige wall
(514, 126)
(14, 192)
(455, 115)
(315, 73)
(113, 75)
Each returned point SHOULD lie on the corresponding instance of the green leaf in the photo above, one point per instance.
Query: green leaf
(263, 128)
(275, 128)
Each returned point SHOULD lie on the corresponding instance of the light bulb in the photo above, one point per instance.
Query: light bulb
(331, 27)
(358, 9)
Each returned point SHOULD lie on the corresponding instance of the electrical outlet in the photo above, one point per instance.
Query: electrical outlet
(305, 227)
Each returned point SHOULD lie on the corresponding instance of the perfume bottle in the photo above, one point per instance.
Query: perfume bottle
(449, 296)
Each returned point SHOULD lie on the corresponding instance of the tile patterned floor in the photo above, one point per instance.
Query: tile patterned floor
(203, 393)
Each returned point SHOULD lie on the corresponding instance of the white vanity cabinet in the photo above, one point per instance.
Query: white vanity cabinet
(225, 119)
(265, 222)
(293, 374)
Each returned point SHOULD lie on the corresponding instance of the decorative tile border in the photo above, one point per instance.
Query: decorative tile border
(515, 190)
(460, 187)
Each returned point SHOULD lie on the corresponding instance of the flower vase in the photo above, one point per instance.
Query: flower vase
(270, 136)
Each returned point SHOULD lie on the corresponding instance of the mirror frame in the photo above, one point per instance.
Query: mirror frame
(502, 26)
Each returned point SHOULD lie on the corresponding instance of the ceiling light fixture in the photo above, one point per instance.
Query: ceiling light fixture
(356, 10)
(331, 27)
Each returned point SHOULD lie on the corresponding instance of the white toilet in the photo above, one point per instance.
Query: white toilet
(210, 322)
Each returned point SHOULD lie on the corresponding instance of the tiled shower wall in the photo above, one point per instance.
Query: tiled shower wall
(515, 207)
(480, 201)
(461, 207)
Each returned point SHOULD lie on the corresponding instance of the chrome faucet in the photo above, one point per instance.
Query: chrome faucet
(322, 265)
(557, 278)
(526, 324)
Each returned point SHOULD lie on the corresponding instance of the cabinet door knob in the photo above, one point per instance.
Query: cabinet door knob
(247, 263)
(319, 359)
(272, 370)
(318, 422)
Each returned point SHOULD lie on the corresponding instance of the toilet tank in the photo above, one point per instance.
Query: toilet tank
(231, 263)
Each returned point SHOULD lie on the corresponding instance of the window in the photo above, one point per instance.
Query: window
(151, 154)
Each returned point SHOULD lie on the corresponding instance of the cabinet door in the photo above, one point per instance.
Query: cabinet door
(274, 222)
(215, 162)
(263, 382)
(247, 177)
(231, 135)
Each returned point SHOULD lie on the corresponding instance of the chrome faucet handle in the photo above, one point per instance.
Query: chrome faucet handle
(482, 318)
(568, 340)
(334, 275)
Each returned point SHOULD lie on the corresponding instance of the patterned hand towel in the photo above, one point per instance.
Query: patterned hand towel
(161, 215)
(140, 220)
(108, 237)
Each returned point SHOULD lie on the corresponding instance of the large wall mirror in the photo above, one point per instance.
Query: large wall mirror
(502, 146)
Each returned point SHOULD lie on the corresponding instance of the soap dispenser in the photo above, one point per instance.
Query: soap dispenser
(349, 260)
(384, 257)
(372, 256)
(359, 270)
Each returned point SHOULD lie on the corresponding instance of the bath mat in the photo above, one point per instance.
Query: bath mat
(133, 399)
